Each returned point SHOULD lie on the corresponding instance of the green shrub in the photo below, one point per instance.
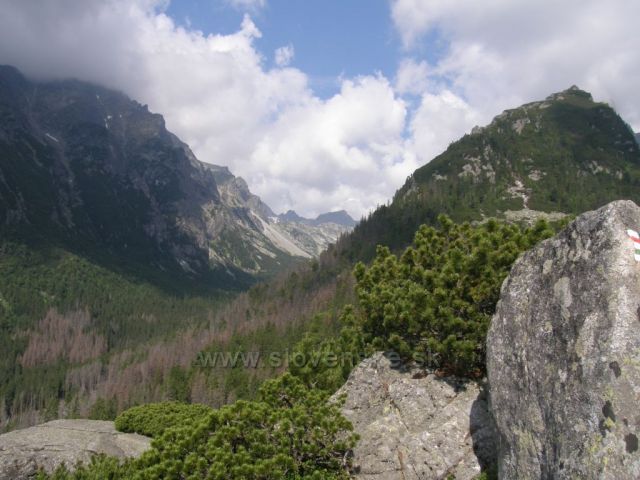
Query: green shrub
(325, 362)
(104, 409)
(101, 467)
(153, 419)
(435, 302)
(290, 431)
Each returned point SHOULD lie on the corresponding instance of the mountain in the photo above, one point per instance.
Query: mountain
(100, 338)
(561, 156)
(291, 216)
(339, 217)
(567, 132)
(315, 235)
(113, 234)
(98, 173)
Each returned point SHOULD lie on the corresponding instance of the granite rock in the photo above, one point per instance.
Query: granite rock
(563, 354)
(415, 425)
(46, 446)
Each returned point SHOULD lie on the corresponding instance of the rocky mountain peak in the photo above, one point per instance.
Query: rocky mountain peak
(340, 217)
(573, 92)
(551, 158)
(291, 216)
(97, 171)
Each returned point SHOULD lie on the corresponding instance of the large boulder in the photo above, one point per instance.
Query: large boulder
(414, 425)
(46, 446)
(563, 354)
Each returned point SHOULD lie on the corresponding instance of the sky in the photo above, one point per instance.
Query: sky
(324, 105)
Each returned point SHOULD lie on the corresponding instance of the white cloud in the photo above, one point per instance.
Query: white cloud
(439, 119)
(294, 149)
(284, 55)
(345, 152)
(412, 77)
(354, 149)
(504, 52)
(247, 5)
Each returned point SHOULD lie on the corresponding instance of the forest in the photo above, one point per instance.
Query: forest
(430, 305)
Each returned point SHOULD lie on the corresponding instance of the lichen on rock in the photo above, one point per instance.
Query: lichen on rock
(414, 425)
(563, 354)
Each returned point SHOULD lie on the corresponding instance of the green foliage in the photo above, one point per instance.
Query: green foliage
(104, 409)
(324, 360)
(573, 156)
(124, 310)
(153, 419)
(179, 384)
(434, 303)
(289, 432)
(100, 468)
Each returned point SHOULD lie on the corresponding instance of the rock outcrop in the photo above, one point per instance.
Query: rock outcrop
(46, 446)
(563, 354)
(416, 426)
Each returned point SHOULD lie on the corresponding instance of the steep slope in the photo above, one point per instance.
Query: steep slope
(314, 235)
(113, 234)
(100, 174)
(291, 233)
(566, 154)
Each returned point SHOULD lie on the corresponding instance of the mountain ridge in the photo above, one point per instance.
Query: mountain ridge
(560, 156)
(110, 176)
(475, 187)
(339, 217)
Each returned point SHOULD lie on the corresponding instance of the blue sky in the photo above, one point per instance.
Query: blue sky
(360, 92)
(331, 39)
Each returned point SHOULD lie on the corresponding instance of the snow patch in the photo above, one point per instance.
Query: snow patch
(48, 135)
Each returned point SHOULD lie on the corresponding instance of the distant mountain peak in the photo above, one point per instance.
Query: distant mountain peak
(290, 216)
(338, 217)
(573, 91)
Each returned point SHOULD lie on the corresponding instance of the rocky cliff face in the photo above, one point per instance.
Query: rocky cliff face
(563, 354)
(46, 446)
(95, 171)
(289, 232)
(416, 426)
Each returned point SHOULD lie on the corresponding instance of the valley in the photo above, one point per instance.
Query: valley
(124, 260)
